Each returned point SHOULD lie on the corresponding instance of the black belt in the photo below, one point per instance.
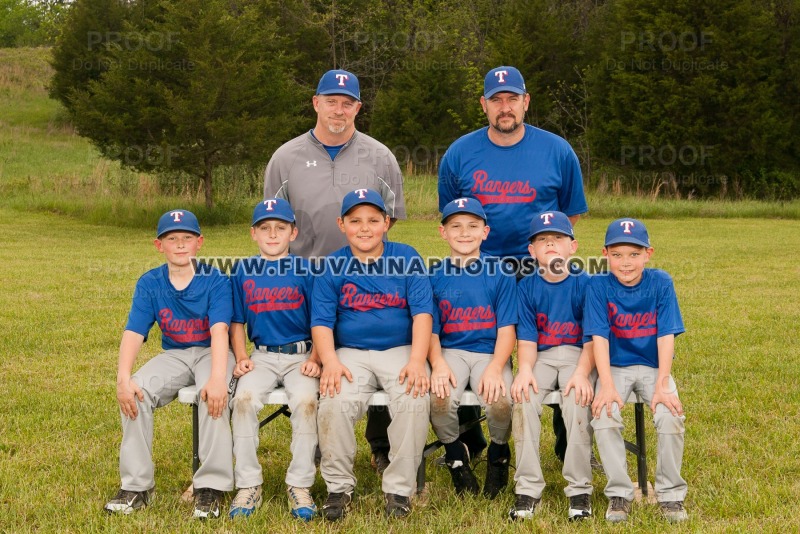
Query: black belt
(299, 347)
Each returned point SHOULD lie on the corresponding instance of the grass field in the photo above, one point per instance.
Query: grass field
(76, 234)
(67, 291)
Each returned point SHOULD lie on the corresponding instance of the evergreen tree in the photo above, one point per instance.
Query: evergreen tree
(204, 86)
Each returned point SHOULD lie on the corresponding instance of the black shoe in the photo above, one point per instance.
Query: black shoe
(580, 506)
(206, 503)
(496, 478)
(337, 505)
(380, 461)
(397, 505)
(524, 507)
(126, 502)
(463, 478)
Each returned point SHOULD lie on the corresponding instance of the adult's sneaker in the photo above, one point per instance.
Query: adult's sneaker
(580, 506)
(301, 503)
(207, 502)
(380, 461)
(618, 510)
(496, 478)
(126, 501)
(674, 511)
(245, 502)
(337, 505)
(524, 507)
(397, 505)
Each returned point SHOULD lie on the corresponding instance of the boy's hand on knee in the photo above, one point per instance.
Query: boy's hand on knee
(127, 393)
(243, 367)
(492, 385)
(310, 368)
(330, 381)
(583, 389)
(441, 379)
(668, 399)
(604, 400)
(417, 379)
(215, 393)
(521, 386)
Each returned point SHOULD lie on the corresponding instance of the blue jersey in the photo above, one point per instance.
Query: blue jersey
(471, 304)
(513, 183)
(272, 299)
(185, 317)
(551, 313)
(632, 318)
(370, 306)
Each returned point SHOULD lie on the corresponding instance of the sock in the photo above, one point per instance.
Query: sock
(455, 452)
(498, 452)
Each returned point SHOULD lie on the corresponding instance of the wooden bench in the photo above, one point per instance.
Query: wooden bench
(188, 395)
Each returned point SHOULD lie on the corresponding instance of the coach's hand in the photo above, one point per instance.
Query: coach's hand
(417, 377)
(522, 385)
(243, 367)
(492, 386)
(441, 379)
(215, 394)
(330, 381)
(127, 393)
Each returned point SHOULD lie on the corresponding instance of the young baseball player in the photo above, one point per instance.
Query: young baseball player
(271, 294)
(371, 320)
(552, 356)
(475, 304)
(191, 302)
(633, 317)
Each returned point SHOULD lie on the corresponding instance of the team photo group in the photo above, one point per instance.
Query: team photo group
(336, 311)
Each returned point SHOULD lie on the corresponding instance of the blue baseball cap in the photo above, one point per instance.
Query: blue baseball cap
(507, 79)
(339, 82)
(463, 205)
(362, 196)
(627, 231)
(551, 221)
(175, 220)
(273, 208)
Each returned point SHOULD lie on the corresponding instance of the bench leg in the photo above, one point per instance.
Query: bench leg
(195, 439)
(283, 410)
(641, 454)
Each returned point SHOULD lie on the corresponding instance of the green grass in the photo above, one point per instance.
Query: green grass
(68, 289)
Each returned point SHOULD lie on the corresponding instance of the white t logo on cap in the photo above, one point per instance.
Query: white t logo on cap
(461, 202)
(176, 216)
(362, 193)
(269, 203)
(627, 225)
(546, 217)
(342, 78)
(501, 75)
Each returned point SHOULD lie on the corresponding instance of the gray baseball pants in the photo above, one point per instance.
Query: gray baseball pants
(468, 367)
(372, 370)
(552, 370)
(670, 486)
(252, 392)
(160, 379)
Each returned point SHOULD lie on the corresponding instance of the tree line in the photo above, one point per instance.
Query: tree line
(698, 98)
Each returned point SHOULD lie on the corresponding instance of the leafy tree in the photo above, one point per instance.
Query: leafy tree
(690, 89)
(195, 85)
